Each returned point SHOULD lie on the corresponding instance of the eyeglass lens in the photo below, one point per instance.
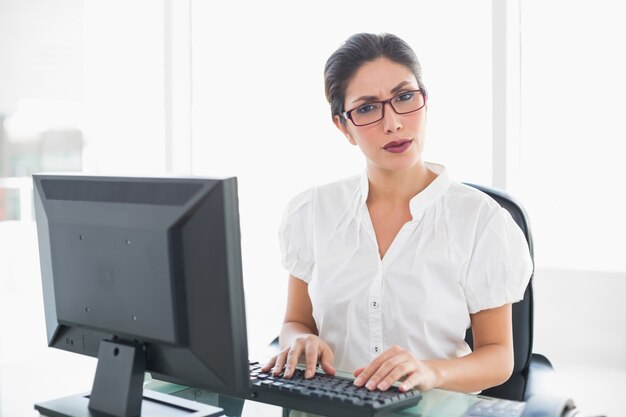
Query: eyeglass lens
(407, 102)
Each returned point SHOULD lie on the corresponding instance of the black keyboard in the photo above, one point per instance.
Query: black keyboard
(332, 396)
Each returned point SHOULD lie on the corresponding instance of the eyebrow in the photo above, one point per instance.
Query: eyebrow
(374, 98)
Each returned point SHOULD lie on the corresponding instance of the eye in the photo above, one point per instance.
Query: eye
(405, 96)
(367, 108)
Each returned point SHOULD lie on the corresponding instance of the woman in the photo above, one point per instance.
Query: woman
(389, 269)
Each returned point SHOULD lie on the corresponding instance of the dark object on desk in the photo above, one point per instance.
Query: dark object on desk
(131, 270)
(327, 395)
(532, 372)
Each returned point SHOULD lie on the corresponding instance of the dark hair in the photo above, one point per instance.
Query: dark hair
(357, 50)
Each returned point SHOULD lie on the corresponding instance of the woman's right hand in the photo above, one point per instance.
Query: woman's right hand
(312, 348)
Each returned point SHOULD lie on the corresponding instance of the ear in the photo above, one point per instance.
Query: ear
(342, 127)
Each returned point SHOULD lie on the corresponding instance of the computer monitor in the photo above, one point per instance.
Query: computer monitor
(145, 274)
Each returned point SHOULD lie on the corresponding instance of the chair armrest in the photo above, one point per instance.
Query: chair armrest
(541, 377)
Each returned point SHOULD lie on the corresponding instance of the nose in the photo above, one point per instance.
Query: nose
(391, 120)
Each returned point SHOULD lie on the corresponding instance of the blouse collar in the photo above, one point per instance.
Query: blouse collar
(425, 198)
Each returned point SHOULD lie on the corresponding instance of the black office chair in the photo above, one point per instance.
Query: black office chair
(532, 372)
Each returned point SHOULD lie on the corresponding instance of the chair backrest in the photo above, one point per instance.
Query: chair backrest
(522, 310)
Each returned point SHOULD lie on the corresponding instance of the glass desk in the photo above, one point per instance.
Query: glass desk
(434, 403)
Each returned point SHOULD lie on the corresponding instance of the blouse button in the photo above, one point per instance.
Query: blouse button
(376, 349)
(375, 304)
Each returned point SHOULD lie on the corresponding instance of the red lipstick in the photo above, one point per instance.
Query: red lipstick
(398, 146)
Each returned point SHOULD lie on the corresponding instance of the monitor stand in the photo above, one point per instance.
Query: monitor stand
(118, 390)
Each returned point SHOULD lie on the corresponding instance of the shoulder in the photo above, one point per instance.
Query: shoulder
(469, 199)
(469, 207)
(326, 197)
(336, 191)
(456, 199)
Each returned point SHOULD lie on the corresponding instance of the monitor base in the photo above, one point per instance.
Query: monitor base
(153, 404)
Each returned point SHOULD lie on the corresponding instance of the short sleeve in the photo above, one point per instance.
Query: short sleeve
(500, 265)
(296, 237)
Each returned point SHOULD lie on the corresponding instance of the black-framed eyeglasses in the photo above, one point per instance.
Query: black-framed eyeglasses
(374, 111)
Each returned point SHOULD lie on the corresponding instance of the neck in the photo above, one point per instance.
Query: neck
(397, 186)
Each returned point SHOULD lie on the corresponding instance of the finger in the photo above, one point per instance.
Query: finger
(292, 359)
(362, 376)
(411, 381)
(358, 372)
(400, 371)
(383, 370)
(370, 369)
(311, 356)
(280, 362)
(326, 360)
(269, 364)
(366, 375)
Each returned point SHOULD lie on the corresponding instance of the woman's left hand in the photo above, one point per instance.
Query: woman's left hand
(396, 364)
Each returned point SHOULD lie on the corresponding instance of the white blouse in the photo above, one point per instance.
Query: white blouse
(460, 253)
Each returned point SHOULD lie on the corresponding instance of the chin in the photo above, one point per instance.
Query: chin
(405, 162)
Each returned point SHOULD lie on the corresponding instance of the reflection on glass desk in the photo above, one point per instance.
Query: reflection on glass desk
(434, 403)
